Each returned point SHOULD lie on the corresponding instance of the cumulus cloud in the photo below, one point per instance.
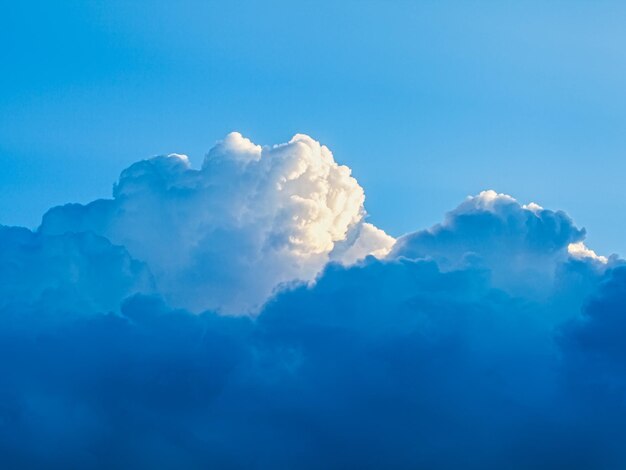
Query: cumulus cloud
(68, 272)
(522, 245)
(491, 340)
(490, 224)
(225, 236)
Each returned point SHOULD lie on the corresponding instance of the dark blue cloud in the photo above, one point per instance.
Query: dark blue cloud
(389, 363)
(110, 390)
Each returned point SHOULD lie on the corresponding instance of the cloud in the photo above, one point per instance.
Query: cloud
(521, 245)
(68, 272)
(389, 362)
(225, 236)
(579, 250)
(490, 224)
(491, 340)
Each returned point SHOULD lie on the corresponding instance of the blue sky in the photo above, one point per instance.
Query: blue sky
(234, 308)
(426, 102)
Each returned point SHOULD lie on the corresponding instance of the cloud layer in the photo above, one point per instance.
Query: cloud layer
(230, 317)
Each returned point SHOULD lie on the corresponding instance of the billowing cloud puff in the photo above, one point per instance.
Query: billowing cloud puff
(491, 340)
(522, 245)
(490, 224)
(225, 236)
(68, 272)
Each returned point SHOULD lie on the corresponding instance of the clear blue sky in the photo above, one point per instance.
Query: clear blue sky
(426, 102)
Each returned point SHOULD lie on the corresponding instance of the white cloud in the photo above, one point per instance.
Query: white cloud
(225, 236)
(580, 251)
(366, 239)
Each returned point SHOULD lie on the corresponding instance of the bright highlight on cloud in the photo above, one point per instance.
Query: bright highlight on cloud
(231, 317)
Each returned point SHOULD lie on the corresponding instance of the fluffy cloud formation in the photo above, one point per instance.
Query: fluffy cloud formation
(225, 236)
(492, 340)
(68, 272)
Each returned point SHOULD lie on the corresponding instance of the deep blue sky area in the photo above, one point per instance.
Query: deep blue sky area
(426, 102)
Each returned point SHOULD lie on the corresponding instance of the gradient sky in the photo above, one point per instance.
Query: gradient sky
(427, 103)
(236, 310)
